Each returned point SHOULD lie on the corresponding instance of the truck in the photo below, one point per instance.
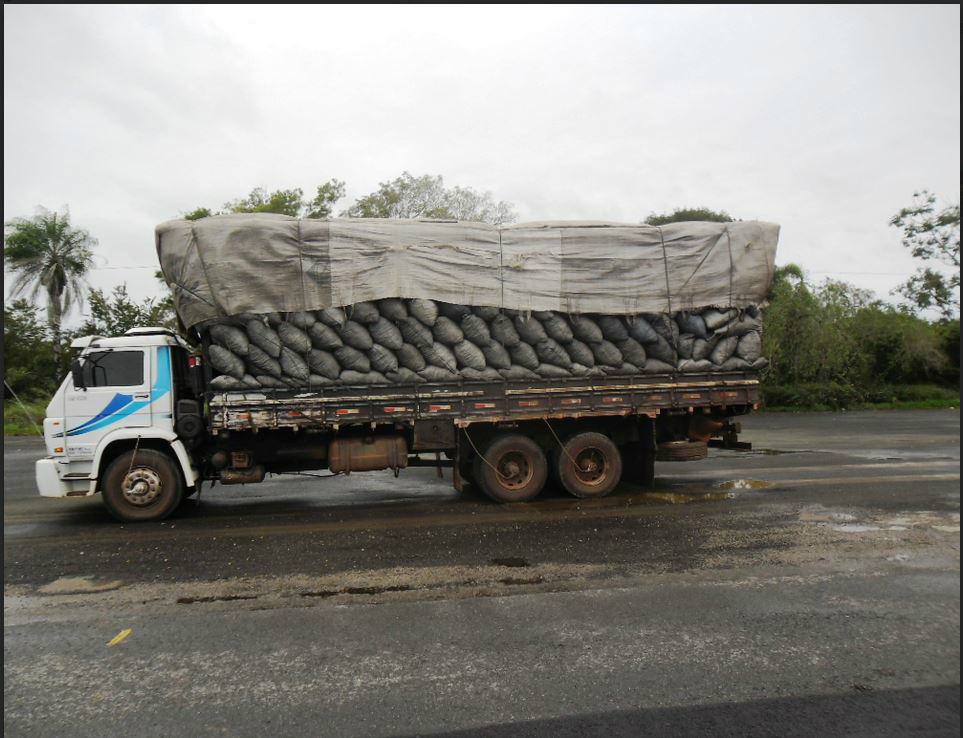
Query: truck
(146, 418)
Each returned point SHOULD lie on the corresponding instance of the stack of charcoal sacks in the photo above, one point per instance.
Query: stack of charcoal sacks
(396, 341)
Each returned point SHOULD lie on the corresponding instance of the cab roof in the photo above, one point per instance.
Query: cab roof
(137, 340)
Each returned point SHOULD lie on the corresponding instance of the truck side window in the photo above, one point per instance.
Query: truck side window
(114, 369)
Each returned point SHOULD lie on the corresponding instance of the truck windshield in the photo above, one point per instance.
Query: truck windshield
(113, 369)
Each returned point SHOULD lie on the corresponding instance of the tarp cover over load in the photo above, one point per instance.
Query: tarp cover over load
(264, 263)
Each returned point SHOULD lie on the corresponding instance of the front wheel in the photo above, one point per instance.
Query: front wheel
(512, 469)
(141, 486)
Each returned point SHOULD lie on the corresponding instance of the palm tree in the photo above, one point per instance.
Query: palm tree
(48, 255)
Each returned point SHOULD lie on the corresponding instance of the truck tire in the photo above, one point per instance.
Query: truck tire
(597, 466)
(682, 451)
(521, 469)
(144, 489)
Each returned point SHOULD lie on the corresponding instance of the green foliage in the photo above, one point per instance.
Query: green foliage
(682, 215)
(49, 256)
(29, 364)
(198, 214)
(896, 347)
(834, 396)
(285, 202)
(427, 197)
(949, 337)
(933, 236)
(323, 203)
(24, 420)
(403, 197)
(832, 344)
(117, 313)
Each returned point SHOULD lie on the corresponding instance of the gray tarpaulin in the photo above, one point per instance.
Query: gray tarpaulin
(261, 263)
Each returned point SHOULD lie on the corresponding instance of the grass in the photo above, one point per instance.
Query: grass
(830, 397)
(15, 418)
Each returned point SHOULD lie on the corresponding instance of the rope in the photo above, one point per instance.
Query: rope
(665, 263)
(480, 456)
(562, 446)
(729, 305)
(668, 291)
(25, 411)
(131, 467)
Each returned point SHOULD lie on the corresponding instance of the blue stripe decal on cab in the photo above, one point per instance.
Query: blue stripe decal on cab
(121, 406)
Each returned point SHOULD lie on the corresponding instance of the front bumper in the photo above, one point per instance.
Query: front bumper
(50, 484)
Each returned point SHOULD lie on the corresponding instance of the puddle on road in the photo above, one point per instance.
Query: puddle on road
(684, 498)
(727, 490)
(511, 561)
(744, 484)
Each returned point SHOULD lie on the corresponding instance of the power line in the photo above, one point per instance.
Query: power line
(134, 266)
(859, 274)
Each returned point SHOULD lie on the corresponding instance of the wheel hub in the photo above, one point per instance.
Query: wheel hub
(514, 471)
(141, 486)
(590, 466)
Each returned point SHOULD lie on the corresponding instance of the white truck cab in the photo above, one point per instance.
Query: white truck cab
(110, 426)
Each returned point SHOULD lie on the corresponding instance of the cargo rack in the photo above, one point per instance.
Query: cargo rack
(469, 402)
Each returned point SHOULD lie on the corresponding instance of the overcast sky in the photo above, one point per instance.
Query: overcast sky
(823, 119)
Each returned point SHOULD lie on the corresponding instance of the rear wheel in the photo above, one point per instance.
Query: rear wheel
(512, 469)
(589, 465)
(142, 486)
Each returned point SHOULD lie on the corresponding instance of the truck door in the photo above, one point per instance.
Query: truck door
(117, 394)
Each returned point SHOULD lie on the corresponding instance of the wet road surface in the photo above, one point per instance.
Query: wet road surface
(811, 582)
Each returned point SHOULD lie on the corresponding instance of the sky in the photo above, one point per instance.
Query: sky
(823, 119)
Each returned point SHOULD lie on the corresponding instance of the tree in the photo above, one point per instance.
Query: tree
(682, 215)
(286, 202)
(198, 214)
(323, 203)
(117, 313)
(49, 255)
(408, 196)
(29, 366)
(933, 236)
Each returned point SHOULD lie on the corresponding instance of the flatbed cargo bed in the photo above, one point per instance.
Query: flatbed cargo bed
(468, 402)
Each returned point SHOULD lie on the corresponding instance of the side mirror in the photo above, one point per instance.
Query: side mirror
(78, 374)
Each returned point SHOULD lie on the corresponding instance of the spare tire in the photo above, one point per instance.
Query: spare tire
(682, 451)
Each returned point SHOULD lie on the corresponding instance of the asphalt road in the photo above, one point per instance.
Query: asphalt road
(810, 587)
